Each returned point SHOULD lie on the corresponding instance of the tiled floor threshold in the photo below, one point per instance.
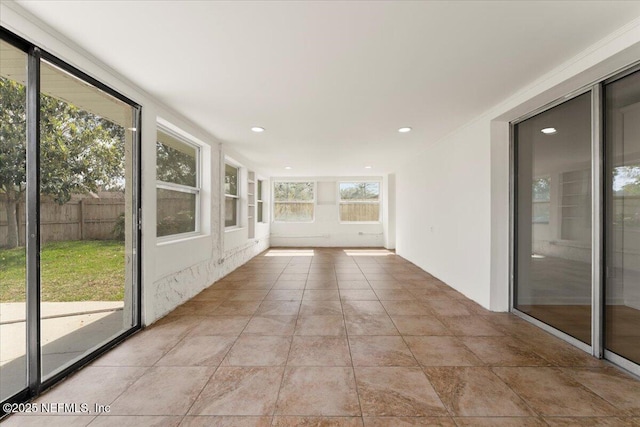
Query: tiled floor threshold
(334, 337)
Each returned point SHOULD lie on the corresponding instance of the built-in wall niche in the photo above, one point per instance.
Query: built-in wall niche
(575, 207)
(251, 204)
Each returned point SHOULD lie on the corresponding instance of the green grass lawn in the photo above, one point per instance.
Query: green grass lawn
(71, 271)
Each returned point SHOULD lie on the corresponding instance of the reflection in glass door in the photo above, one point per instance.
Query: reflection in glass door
(86, 218)
(622, 181)
(553, 217)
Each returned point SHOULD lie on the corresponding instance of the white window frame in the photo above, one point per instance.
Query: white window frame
(237, 198)
(274, 201)
(378, 202)
(180, 187)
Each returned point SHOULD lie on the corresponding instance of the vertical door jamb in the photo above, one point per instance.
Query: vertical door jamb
(34, 367)
(597, 218)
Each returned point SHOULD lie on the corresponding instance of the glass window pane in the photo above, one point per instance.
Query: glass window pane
(12, 220)
(175, 212)
(622, 180)
(293, 191)
(230, 212)
(359, 212)
(362, 191)
(176, 162)
(294, 212)
(260, 212)
(553, 282)
(365, 197)
(230, 180)
(259, 190)
(372, 191)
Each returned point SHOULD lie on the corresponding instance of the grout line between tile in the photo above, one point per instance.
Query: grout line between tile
(346, 334)
(284, 368)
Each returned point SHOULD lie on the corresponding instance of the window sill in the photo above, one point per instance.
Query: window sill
(178, 238)
(294, 222)
(360, 222)
(234, 228)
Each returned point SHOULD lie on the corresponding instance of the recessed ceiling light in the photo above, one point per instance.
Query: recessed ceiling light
(257, 129)
(288, 167)
(404, 130)
(368, 167)
(549, 131)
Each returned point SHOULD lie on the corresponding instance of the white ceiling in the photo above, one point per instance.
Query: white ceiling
(332, 81)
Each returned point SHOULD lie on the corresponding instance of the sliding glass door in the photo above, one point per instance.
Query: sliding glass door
(69, 221)
(86, 205)
(622, 183)
(553, 217)
(576, 210)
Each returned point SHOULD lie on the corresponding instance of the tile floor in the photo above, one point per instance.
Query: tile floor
(342, 337)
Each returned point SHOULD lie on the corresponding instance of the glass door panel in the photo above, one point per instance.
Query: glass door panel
(553, 217)
(622, 181)
(86, 218)
(13, 339)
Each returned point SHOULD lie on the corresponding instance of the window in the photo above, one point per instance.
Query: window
(541, 199)
(231, 195)
(178, 185)
(359, 201)
(260, 202)
(293, 201)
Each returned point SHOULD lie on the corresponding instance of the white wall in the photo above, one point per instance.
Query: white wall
(172, 271)
(443, 211)
(326, 230)
(453, 199)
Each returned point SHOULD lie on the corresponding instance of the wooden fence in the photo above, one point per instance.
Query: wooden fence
(79, 219)
(349, 212)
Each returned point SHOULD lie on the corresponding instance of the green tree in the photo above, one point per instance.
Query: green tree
(79, 151)
(175, 166)
(12, 151)
(287, 191)
(362, 191)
